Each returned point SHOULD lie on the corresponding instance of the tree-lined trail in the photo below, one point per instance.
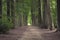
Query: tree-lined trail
(42, 15)
(30, 33)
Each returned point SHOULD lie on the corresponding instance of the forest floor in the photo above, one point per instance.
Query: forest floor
(30, 33)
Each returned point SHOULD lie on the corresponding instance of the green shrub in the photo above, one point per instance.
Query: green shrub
(4, 28)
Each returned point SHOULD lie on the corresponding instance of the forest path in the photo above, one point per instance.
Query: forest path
(34, 33)
(30, 33)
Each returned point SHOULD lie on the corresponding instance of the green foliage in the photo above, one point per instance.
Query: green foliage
(53, 7)
(23, 7)
(4, 28)
(5, 24)
(29, 18)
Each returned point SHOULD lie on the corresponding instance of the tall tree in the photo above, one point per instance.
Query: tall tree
(44, 14)
(49, 19)
(25, 12)
(0, 8)
(8, 9)
(39, 13)
(13, 11)
(58, 15)
(47, 15)
(33, 12)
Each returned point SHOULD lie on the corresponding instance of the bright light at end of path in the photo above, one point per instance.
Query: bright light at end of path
(29, 24)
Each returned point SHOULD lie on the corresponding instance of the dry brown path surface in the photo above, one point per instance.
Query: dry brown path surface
(13, 34)
(30, 33)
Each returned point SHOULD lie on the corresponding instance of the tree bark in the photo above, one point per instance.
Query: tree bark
(0, 9)
(44, 14)
(58, 15)
(0, 12)
(8, 9)
(33, 13)
(39, 13)
(13, 11)
(47, 21)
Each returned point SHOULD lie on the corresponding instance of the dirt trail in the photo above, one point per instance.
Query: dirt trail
(34, 33)
(13, 34)
(30, 33)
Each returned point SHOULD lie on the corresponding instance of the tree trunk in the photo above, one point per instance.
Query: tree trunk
(0, 8)
(33, 13)
(58, 15)
(13, 11)
(47, 21)
(8, 9)
(39, 13)
(44, 14)
(0, 12)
